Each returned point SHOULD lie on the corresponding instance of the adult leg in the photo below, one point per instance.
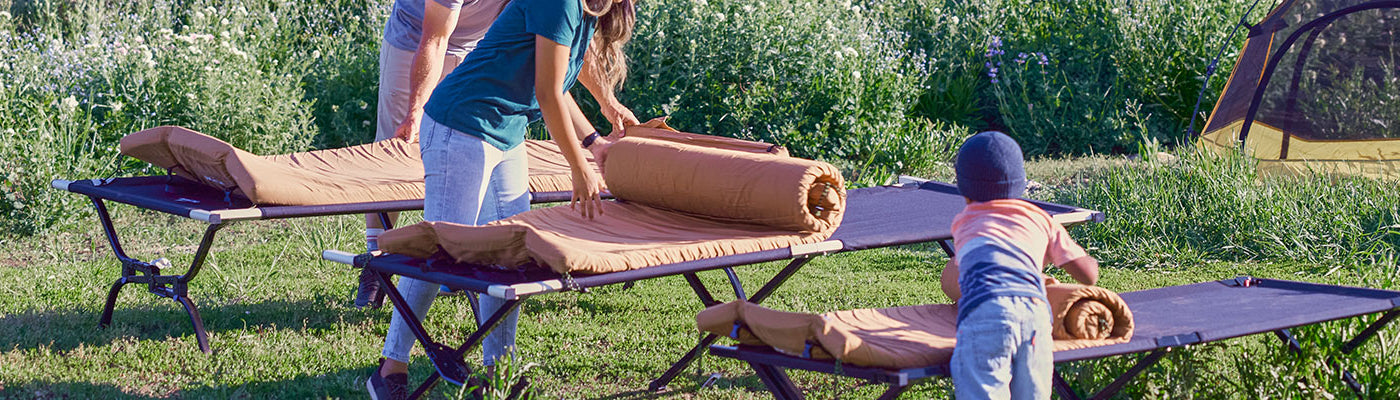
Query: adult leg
(456, 176)
(394, 68)
(506, 195)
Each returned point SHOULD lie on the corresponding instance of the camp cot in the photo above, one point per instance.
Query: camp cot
(875, 217)
(215, 183)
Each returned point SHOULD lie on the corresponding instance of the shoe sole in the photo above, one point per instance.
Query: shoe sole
(369, 384)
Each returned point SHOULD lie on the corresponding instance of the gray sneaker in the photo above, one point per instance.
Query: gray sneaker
(392, 387)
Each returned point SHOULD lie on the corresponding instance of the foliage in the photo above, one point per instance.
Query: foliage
(79, 75)
(1206, 207)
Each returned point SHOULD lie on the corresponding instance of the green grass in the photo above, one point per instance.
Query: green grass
(281, 324)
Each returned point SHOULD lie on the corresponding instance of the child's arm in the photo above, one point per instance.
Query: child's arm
(950, 280)
(1084, 269)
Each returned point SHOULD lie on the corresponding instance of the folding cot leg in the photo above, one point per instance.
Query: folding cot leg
(448, 363)
(1062, 388)
(893, 392)
(1360, 339)
(174, 287)
(781, 277)
(777, 381)
(1117, 384)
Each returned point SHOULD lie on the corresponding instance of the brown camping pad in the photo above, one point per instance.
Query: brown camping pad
(380, 171)
(901, 337)
(667, 214)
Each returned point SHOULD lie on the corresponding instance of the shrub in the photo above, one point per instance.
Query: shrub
(826, 79)
(78, 75)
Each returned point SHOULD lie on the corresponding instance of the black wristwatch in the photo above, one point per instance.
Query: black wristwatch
(588, 140)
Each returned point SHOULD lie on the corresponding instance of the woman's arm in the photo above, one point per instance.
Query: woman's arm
(438, 23)
(551, 65)
(617, 114)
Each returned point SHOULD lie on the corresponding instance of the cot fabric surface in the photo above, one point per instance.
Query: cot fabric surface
(678, 203)
(909, 336)
(380, 171)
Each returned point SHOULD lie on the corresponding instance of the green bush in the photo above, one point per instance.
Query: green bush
(828, 80)
(79, 75)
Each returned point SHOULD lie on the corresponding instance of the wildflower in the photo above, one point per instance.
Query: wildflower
(68, 103)
(198, 15)
(223, 21)
(316, 53)
(190, 96)
(720, 17)
(855, 74)
(364, 123)
(5, 14)
(116, 106)
(849, 51)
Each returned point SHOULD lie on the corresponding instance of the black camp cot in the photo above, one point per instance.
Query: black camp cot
(189, 199)
(1165, 319)
(876, 217)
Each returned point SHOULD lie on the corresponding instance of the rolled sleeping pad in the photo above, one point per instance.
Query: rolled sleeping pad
(1088, 313)
(786, 193)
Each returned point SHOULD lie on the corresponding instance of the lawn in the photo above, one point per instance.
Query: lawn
(281, 325)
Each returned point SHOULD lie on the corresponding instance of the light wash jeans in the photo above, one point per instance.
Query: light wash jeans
(1004, 351)
(466, 181)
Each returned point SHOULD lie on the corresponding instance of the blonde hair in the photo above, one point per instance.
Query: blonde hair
(614, 29)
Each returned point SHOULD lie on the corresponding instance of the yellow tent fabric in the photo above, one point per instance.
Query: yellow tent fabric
(1316, 89)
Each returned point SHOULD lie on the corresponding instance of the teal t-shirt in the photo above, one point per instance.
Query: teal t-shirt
(491, 95)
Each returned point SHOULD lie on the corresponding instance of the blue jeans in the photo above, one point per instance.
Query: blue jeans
(466, 181)
(1004, 351)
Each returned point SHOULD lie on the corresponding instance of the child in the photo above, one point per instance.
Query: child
(1004, 349)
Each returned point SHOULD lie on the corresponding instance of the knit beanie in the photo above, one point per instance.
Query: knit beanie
(990, 166)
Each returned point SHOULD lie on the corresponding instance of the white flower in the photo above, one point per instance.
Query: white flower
(5, 14)
(198, 15)
(190, 96)
(364, 123)
(68, 103)
(748, 9)
(849, 51)
(116, 106)
(316, 53)
(720, 17)
(855, 74)
(223, 21)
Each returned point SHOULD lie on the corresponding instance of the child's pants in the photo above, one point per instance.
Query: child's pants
(1004, 351)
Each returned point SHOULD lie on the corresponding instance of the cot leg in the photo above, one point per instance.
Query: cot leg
(1063, 388)
(947, 247)
(174, 287)
(893, 392)
(781, 277)
(106, 319)
(1289, 340)
(200, 335)
(1356, 342)
(777, 381)
(1142, 365)
(701, 291)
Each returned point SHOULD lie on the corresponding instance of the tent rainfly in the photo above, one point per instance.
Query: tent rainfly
(1316, 89)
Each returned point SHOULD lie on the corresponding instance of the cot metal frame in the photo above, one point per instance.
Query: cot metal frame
(770, 366)
(218, 209)
(514, 286)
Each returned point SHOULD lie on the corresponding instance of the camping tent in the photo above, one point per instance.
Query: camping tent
(1316, 89)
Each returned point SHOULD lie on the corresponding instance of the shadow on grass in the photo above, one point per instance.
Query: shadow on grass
(66, 329)
(345, 383)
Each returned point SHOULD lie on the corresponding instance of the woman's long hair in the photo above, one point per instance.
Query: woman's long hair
(615, 22)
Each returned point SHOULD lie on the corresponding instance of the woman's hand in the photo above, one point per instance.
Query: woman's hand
(600, 149)
(620, 117)
(588, 192)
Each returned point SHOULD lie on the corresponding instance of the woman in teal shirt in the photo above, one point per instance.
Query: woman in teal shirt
(474, 166)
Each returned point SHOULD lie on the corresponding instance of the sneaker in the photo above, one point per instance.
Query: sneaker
(443, 290)
(368, 294)
(392, 387)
